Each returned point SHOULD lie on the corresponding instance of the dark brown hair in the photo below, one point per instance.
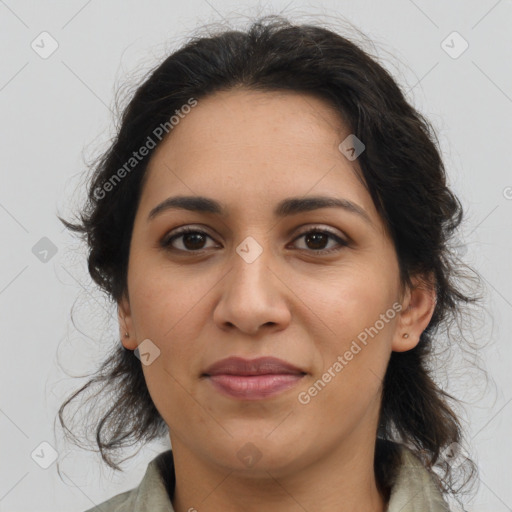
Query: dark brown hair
(401, 168)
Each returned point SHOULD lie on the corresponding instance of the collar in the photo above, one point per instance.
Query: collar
(414, 489)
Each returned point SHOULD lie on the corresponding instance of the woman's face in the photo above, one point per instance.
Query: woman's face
(250, 282)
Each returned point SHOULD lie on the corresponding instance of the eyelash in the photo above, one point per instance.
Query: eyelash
(168, 239)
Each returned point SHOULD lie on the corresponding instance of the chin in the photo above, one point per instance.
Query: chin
(256, 456)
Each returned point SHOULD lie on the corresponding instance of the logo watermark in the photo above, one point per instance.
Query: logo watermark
(158, 133)
(304, 397)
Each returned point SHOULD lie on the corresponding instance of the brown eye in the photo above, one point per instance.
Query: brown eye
(191, 240)
(316, 240)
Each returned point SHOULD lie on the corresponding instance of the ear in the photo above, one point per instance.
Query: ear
(126, 323)
(417, 309)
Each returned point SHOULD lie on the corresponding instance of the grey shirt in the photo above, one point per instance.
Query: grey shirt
(413, 491)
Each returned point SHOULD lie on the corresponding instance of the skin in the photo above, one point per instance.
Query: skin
(249, 150)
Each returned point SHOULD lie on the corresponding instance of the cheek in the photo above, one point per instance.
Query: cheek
(164, 314)
(365, 329)
(358, 309)
(349, 301)
(164, 300)
(170, 397)
(348, 384)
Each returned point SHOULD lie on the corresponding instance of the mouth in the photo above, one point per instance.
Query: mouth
(254, 379)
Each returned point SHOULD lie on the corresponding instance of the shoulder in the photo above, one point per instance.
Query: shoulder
(118, 503)
(415, 487)
(151, 495)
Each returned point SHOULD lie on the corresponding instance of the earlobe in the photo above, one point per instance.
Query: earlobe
(126, 331)
(417, 310)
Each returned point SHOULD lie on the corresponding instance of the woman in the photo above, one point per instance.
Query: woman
(272, 222)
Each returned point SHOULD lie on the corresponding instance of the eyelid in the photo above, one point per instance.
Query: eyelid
(183, 230)
(321, 227)
(341, 239)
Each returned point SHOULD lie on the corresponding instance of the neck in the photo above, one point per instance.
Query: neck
(342, 480)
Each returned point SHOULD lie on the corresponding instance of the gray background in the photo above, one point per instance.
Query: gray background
(57, 111)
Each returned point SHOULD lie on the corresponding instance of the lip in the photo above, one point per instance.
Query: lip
(253, 379)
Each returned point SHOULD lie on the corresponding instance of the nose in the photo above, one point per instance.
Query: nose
(253, 297)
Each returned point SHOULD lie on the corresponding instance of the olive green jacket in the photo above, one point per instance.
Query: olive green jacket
(414, 489)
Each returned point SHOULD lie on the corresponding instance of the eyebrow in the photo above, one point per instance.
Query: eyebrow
(285, 208)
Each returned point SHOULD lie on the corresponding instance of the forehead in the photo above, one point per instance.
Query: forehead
(256, 147)
(243, 118)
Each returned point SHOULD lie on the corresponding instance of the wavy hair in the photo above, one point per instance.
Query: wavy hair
(401, 168)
